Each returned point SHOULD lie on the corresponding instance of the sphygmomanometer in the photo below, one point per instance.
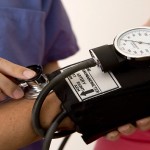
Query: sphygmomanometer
(99, 94)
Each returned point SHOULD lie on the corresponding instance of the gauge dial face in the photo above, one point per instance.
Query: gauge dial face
(134, 43)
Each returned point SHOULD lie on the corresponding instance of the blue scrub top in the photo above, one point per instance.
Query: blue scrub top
(35, 32)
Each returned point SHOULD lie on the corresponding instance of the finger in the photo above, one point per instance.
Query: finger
(10, 88)
(147, 23)
(144, 124)
(2, 96)
(14, 70)
(127, 129)
(112, 136)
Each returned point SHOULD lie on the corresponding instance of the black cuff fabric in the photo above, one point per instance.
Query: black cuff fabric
(99, 115)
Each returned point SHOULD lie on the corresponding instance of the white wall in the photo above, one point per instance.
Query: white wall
(95, 23)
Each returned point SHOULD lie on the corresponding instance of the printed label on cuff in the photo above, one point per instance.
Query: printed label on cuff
(92, 82)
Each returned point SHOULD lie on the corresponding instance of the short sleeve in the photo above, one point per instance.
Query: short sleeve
(35, 32)
(60, 38)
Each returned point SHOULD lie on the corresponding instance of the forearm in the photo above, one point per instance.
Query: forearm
(50, 67)
(16, 129)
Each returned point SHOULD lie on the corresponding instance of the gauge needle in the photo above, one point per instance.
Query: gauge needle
(134, 44)
(140, 42)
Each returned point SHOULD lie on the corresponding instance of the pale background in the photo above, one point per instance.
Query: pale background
(95, 23)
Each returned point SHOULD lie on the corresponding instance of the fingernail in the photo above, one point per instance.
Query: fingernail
(126, 127)
(18, 93)
(143, 122)
(29, 74)
(112, 135)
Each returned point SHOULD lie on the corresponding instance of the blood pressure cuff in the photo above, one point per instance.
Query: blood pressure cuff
(99, 114)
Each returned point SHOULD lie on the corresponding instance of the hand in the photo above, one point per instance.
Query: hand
(7, 86)
(142, 124)
(128, 129)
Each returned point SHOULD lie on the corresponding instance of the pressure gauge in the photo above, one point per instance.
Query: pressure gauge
(134, 43)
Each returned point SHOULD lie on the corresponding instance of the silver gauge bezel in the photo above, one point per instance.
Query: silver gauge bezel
(125, 32)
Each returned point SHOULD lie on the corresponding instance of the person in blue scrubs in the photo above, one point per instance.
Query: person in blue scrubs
(35, 32)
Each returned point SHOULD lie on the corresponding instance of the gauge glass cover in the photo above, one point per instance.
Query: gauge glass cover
(134, 43)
